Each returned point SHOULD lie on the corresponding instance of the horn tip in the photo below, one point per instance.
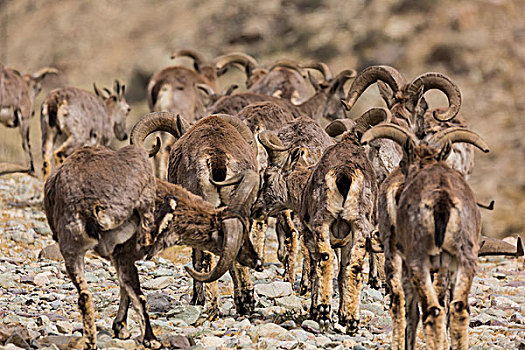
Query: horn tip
(519, 250)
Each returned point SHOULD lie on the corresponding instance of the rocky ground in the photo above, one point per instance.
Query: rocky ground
(38, 302)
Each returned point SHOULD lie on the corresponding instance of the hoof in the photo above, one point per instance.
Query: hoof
(321, 314)
(352, 324)
(90, 346)
(152, 344)
(245, 303)
(374, 282)
(120, 330)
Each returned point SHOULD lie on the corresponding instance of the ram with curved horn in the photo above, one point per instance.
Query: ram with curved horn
(71, 118)
(335, 200)
(442, 239)
(213, 150)
(110, 202)
(283, 79)
(17, 98)
(175, 89)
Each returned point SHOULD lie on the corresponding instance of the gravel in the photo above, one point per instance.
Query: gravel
(38, 301)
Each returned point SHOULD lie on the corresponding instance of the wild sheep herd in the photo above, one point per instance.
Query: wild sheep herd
(390, 186)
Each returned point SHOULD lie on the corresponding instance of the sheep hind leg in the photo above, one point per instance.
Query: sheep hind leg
(243, 290)
(128, 278)
(441, 286)
(323, 268)
(433, 313)
(75, 271)
(286, 229)
(351, 282)
(394, 265)
(119, 327)
(199, 296)
(26, 145)
(258, 235)
(411, 310)
(459, 309)
(305, 284)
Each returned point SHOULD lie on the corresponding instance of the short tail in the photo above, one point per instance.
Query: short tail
(441, 209)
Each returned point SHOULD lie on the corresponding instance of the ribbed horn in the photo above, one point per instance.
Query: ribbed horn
(248, 62)
(273, 145)
(321, 67)
(233, 237)
(41, 74)
(439, 81)
(369, 76)
(388, 131)
(287, 64)
(234, 180)
(197, 59)
(339, 126)
(156, 121)
(457, 134)
(372, 117)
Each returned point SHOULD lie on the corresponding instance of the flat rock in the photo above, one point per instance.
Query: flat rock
(290, 302)
(274, 290)
(9, 280)
(159, 282)
(51, 252)
(7, 329)
(212, 341)
(310, 326)
(187, 313)
(274, 331)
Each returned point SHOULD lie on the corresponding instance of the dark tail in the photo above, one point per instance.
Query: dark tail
(441, 216)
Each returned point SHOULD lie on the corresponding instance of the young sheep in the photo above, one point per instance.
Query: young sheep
(17, 98)
(335, 200)
(71, 118)
(110, 202)
(432, 207)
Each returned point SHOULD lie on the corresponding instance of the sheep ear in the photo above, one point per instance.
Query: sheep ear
(445, 152)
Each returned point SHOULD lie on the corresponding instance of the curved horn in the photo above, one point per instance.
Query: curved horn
(116, 87)
(230, 90)
(40, 74)
(206, 89)
(388, 131)
(273, 146)
(443, 83)
(372, 117)
(234, 180)
(8, 168)
(156, 121)
(321, 67)
(232, 241)
(339, 126)
(248, 62)
(242, 128)
(369, 76)
(342, 77)
(287, 64)
(97, 91)
(197, 59)
(458, 134)
(242, 200)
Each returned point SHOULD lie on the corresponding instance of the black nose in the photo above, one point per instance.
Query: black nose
(125, 137)
(258, 213)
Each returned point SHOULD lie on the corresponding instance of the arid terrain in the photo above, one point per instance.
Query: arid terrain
(480, 44)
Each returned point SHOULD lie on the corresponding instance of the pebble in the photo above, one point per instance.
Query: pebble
(290, 302)
(310, 326)
(274, 331)
(274, 289)
(159, 282)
